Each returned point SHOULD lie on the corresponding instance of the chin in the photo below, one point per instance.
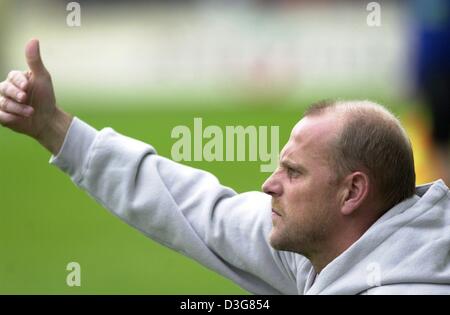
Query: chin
(275, 241)
(278, 242)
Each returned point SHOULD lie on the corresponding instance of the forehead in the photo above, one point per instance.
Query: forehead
(311, 137)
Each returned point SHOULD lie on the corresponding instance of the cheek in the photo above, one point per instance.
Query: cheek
(299, 202)
(300, 193)
(308, 201)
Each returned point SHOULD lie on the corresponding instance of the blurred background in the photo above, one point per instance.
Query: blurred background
(144, 67)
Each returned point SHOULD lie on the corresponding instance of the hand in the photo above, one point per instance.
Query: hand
(28, 105)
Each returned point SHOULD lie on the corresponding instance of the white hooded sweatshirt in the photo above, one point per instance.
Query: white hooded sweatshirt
(407, 251)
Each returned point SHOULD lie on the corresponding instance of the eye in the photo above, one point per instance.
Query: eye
(293, 173)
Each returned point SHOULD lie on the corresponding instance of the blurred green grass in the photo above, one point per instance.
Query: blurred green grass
(46, 222)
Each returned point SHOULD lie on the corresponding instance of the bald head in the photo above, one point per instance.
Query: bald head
(371, 139)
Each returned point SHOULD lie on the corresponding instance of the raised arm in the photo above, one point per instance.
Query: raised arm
(180, 207)
(183, 208)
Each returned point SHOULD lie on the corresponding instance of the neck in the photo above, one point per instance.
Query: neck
(338, 243)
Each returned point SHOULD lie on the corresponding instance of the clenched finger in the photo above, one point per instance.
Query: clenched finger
(9, 106)
(19, 79)
(9, 90)
(7, 119)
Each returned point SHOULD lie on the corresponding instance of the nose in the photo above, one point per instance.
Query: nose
(272, 186)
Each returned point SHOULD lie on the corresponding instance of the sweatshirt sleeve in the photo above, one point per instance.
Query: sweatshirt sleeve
(183, 208)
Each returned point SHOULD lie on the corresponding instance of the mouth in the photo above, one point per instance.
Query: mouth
(275, 213)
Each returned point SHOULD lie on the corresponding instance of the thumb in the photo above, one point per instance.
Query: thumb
(33, 56)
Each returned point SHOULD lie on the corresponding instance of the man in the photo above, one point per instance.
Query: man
(340, 215)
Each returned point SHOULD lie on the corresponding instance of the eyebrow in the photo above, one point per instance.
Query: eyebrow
(293, 165)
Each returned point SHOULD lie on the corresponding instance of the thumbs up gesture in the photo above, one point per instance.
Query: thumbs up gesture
(28, 105)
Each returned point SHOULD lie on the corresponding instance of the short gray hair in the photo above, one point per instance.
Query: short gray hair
(372, 139)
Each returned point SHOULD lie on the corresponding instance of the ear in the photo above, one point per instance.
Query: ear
(356, 190)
